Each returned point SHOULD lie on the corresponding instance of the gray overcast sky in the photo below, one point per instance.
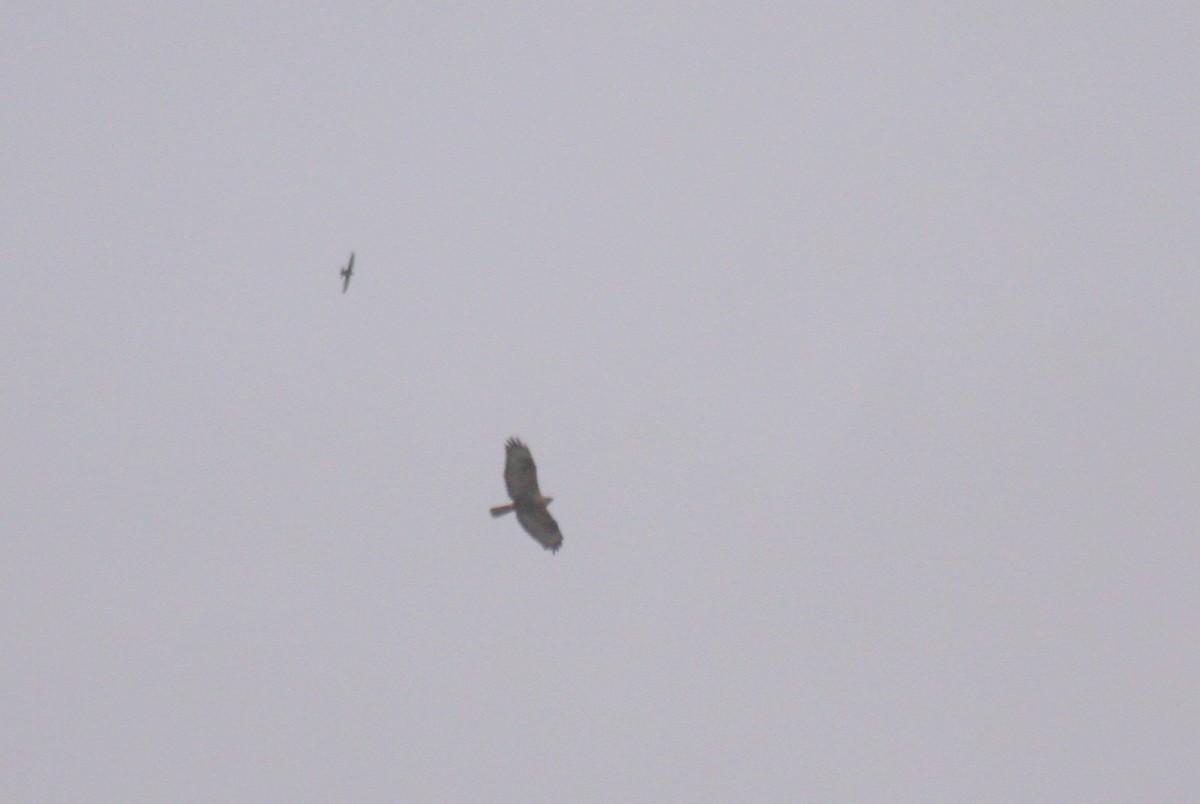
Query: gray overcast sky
(858, 347)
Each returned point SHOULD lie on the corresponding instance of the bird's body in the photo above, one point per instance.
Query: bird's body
(530, 505)
(347, 272)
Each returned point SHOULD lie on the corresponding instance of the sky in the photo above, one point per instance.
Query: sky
(857, 345)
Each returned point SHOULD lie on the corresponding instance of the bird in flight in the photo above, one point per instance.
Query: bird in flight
(520, 477)
(346, 272)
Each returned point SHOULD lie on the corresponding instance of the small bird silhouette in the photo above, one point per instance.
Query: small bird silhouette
(346, 272)
(531, 506)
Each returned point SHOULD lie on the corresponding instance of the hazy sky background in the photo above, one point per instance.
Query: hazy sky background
(856, 344)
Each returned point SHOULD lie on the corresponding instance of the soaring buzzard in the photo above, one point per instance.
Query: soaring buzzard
(520, 476)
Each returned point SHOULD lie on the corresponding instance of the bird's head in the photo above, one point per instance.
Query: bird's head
(547, 500)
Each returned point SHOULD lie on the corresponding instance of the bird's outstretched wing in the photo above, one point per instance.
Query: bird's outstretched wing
(520, 473)
(540, 525)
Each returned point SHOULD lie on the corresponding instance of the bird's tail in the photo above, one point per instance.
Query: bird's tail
(501, 510)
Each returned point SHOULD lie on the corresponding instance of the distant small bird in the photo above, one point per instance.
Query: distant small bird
(346, 272)
(520, 477)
